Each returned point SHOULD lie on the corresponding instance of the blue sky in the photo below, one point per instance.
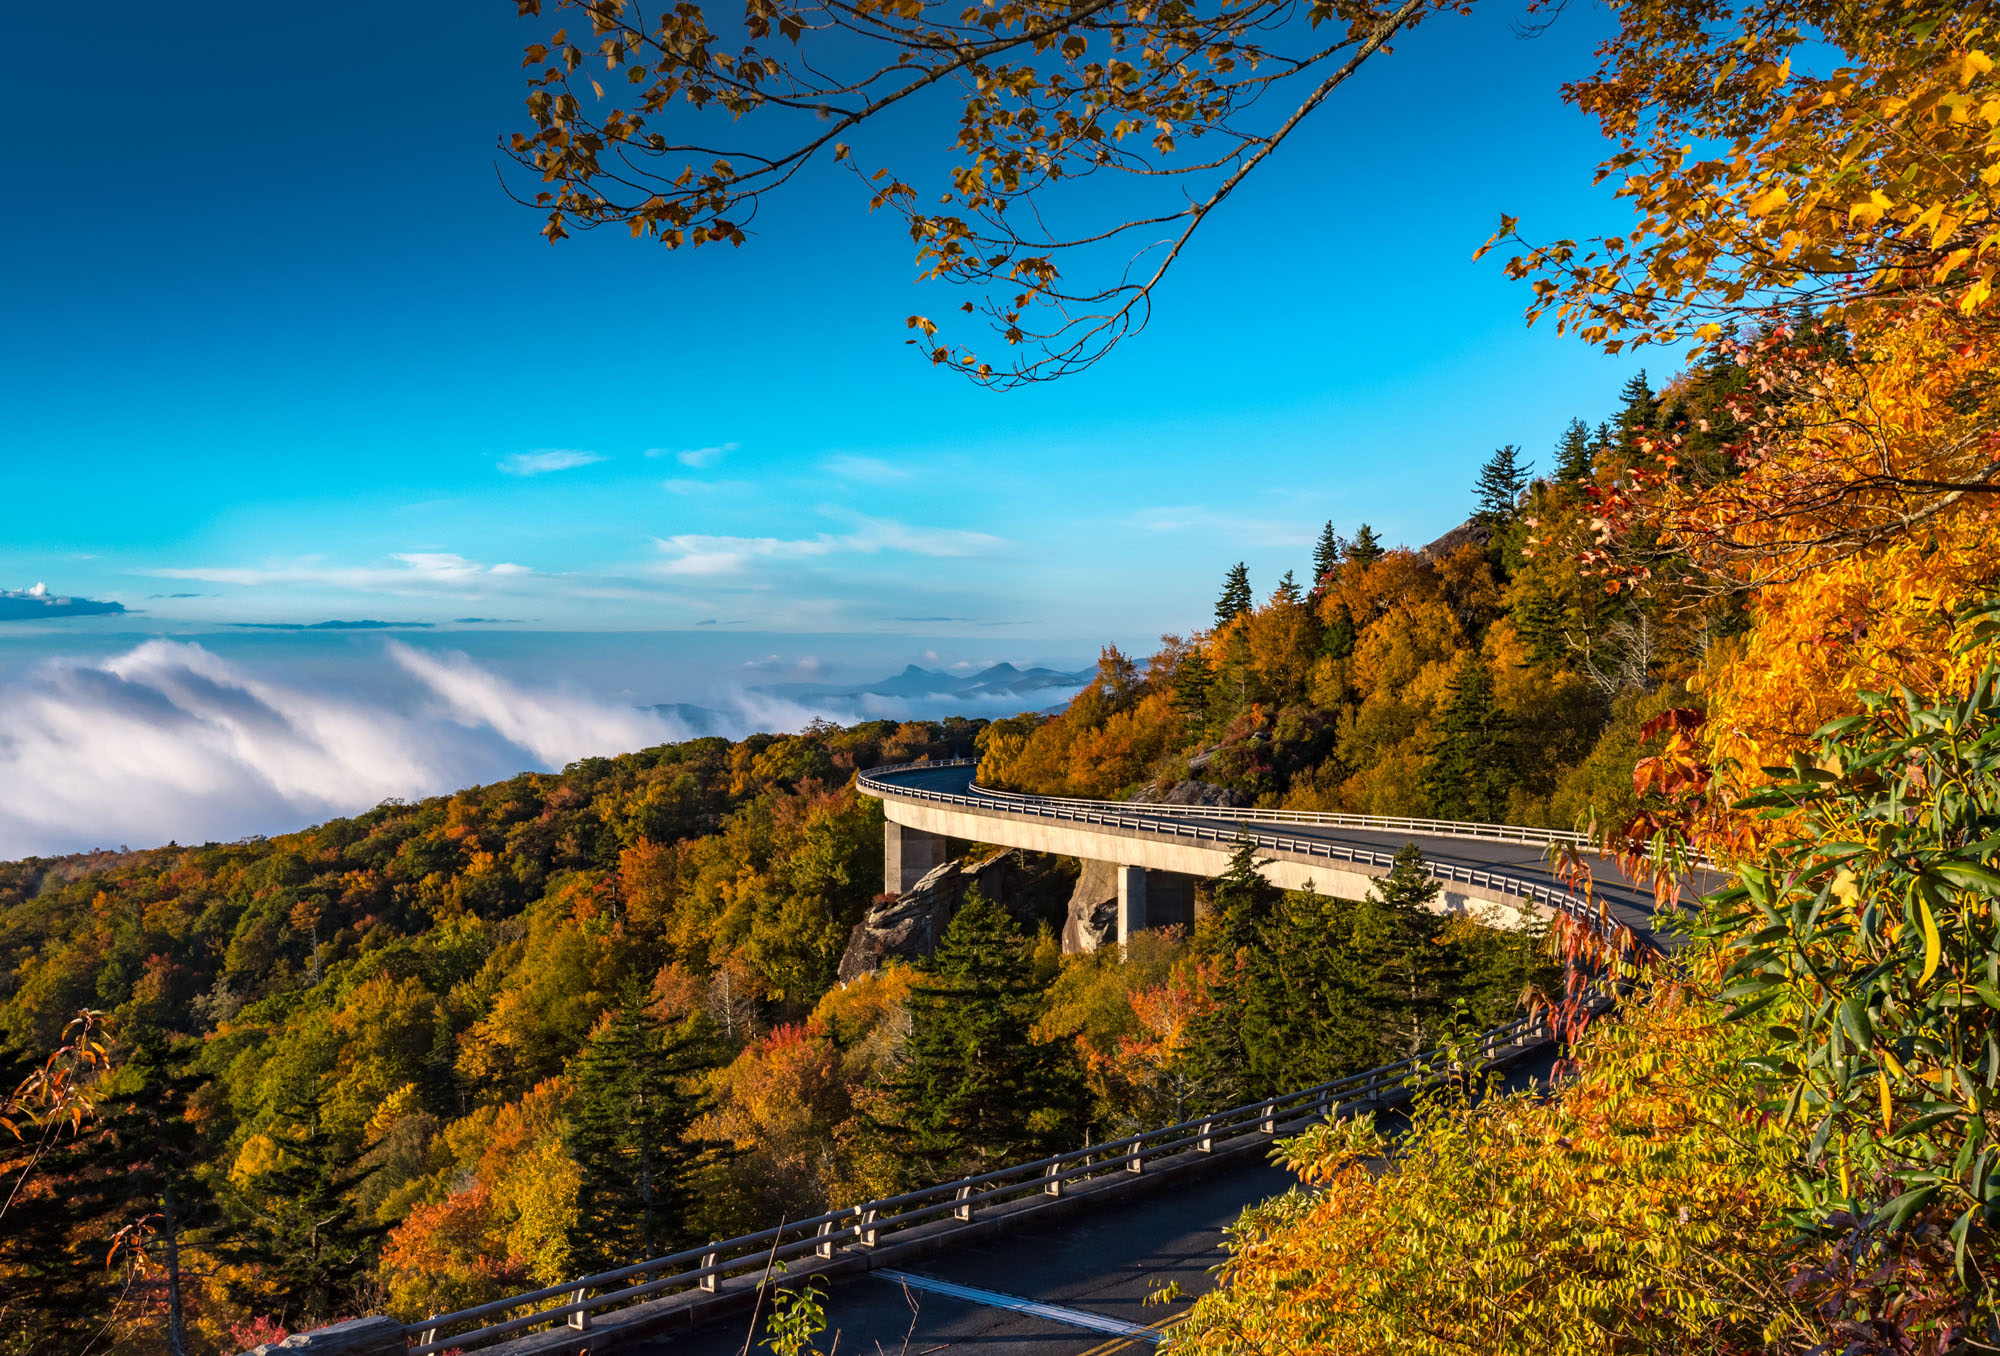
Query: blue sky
(278, 341)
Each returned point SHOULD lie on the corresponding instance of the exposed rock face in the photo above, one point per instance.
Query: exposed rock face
(909, 926)
(1471, 532)
(1093, 909)
(1196, 792)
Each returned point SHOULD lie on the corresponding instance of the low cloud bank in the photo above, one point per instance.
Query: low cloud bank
(168, 742)
(171, 742)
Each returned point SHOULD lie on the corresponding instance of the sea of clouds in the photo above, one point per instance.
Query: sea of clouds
(173, 741)
(170, 742)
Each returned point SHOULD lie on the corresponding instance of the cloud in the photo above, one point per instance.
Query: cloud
(418, 572)
(1246, 531)
(696, 457)
(867, 470)
(169, 741)
(711, 556)
(36, 603)
(542, 462)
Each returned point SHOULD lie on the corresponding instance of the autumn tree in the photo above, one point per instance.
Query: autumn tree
(707, 116)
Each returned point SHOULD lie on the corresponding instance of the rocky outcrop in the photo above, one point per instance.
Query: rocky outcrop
(907, 927)
(1196, 792)
(1092, 917)
(1471, 532)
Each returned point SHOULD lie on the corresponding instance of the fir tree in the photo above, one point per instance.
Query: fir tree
(1639, 413)
(1190, 684)
(628, 1135)
(1326, 556)
(974, 1091)
(1236, 598)
(1576, 454)
(134, 1160)
(311, 1246)
(1287, 590)
(1365, 549)
(1469, 766)
(1501, 481)
(1398, 944)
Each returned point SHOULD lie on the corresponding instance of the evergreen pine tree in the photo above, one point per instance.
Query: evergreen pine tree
(1501, 481)
(628, 1135)
(1190, 682)
(312, 1248)
(1469, 766)
(1397, 942)
(1236, 598)
(1288, 589)
(1575, 454)
(1365, 549)
(1639, 413)
(133, 1160)
(973, 1090)
(1326, 556)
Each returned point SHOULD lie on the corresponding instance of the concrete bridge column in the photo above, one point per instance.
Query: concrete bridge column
(1131, 901)
(908, 855)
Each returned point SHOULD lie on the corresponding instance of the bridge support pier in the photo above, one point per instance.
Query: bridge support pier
(1131, 901)
(908, 855)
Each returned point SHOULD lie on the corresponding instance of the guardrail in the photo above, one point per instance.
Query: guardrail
(1435, 828)
(872, 1224)
(1101, 813)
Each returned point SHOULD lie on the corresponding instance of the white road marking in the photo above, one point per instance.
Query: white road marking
(1056, 1313)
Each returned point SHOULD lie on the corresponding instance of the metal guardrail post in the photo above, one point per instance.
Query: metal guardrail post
(709, 1279)
(580, 1320)
(825, 1245)
(1052, 1183)
(1206, 1144)
(1269, 1123)
(866, 1238)
(1137, 1162)
(963, 1210)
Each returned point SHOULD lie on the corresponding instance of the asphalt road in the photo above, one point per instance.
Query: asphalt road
(1102, 1262)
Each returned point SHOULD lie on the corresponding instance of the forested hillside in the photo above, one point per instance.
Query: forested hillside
(435, 1053)
(1479, 677)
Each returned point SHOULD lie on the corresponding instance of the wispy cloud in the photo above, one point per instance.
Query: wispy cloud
(540, 463)
(414, 572)
(701, 555)
(867, 470)
(1227, 527)
(697, 457)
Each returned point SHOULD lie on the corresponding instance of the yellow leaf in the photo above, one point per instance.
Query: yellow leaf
(1933, 944)
(1882, 1079)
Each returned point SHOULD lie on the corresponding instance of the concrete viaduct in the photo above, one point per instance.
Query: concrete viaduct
(1498, 873)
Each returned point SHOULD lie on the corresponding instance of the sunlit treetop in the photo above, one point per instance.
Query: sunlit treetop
(679, 123)
(1784, 154)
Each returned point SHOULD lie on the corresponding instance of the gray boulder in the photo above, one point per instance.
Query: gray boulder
(1091, 919)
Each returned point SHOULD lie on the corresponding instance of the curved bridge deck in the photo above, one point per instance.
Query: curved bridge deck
(1499, 871)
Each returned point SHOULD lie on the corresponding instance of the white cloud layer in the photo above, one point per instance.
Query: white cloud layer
(169, 742)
